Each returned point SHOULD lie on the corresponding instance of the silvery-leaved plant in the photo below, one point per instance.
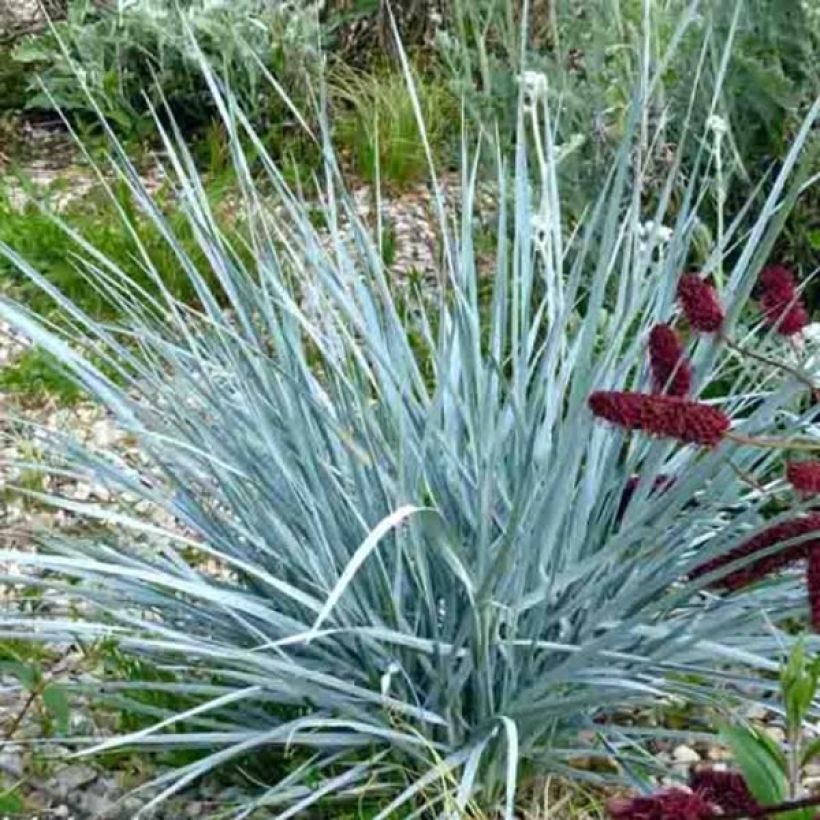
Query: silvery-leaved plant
(405, 549)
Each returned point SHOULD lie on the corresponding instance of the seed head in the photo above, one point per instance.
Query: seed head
(700, 303)
(671, 373)
(786, 319)
(689, 422)
(726, 790)
(673, 804)
(804, 476)
(780, 302)
(754, 571)
(778, 280)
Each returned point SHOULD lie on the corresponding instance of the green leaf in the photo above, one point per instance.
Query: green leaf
(28, 674)
(56, 702)
(814, 238)
(31, 51)
(810, 752)
(798, 681)
(761, 770)
(774, 749)
(795, 663)
(11, 802)
(800, 814)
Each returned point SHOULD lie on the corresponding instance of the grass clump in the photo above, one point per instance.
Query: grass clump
(114, 226)
(419, 573)
(35, 375)
(120, 52)
(376, 125)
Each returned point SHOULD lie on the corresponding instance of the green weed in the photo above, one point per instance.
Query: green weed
(35, 375)
(377, 129)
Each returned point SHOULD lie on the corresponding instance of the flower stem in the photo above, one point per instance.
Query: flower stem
(767, 811)
(747, 478)
(18, 718)
(774, 443)
(799, 375)
(794, 761)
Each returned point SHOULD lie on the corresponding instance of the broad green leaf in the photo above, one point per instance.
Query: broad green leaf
(56, 702)
(810, 751)
(29, 674)
(11, 802)
(762, 772)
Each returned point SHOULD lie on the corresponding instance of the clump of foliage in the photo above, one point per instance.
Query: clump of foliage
(420, 572)
(110, 57)
(113, 226)
(12, 82)
(593, 53)
(34, 375)
(375, 121)
(111, 223)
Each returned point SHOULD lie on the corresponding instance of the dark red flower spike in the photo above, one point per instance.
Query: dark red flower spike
(673, 804)
(700, 304)
(756, 570)
(804, 476)
(686, 421)
(813, 587)
(671, 373)
(726, 790)
(781, 305)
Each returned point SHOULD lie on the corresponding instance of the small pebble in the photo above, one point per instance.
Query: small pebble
(685, 754)
(69, 779)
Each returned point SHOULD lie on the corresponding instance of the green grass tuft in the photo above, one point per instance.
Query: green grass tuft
(36, 375)
(377, 128)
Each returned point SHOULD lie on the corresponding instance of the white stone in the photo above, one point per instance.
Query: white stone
(685, 754)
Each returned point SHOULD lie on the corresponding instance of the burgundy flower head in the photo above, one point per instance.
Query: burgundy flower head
(689, 422)
(700, 303)
(804, 476)
(779, 301)
(673, 804)
(727, 790)
(813, 587)
(671, 373)
(785, 531)
(779, 280)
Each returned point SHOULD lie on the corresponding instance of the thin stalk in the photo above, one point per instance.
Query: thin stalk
(18, 718)
(554, 32)
(774, 443)
(800, 376)
(793, 760)
(767, 811)
(721, 198)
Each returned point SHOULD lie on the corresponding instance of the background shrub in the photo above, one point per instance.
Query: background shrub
(593, 53)
(376, 122)
(144, 46)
